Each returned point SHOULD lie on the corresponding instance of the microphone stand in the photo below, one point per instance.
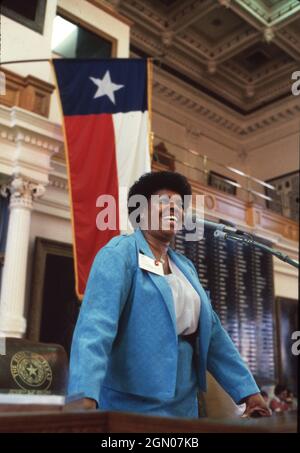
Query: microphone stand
(247, 239)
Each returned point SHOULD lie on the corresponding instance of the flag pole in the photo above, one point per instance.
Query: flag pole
(40, 60)
(44, 60)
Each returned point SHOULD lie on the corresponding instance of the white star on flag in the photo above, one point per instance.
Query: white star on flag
(106, 87)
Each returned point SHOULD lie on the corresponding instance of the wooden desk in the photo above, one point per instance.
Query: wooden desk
(78, 421)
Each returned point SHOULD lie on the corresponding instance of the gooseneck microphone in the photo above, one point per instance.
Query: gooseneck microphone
(225, 226)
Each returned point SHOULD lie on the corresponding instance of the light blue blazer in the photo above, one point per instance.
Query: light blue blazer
(125, 337)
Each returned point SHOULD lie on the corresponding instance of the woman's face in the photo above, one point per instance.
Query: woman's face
(166, 209)
(283, 395)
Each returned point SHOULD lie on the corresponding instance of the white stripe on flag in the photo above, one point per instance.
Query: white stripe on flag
(132, 153)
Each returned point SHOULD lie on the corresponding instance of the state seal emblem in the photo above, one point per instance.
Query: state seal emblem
(31, 371)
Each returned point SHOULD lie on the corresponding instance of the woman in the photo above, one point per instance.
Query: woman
(146, 332)
(279, 401)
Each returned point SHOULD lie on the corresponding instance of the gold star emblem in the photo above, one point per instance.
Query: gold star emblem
(32, 370)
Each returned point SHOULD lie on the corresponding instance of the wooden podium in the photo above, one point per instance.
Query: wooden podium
(94, 421)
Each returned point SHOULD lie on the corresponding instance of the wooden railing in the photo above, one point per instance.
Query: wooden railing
(29, 93)
(220, 205)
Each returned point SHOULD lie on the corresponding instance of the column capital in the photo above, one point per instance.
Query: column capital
(22, 192)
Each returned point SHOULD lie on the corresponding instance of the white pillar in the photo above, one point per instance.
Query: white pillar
(12, 321)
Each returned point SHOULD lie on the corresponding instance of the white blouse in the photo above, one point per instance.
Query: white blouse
(186, 301)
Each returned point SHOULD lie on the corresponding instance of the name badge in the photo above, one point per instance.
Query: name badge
(149, 264)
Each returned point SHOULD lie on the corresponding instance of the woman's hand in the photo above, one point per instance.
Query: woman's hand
(89, 403)
(256, 406)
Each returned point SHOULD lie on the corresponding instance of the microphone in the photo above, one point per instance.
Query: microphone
(219, 227)
(220, 234)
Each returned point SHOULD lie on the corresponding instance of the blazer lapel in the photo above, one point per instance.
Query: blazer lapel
(158, 280)
(188, 273)
(205, 311)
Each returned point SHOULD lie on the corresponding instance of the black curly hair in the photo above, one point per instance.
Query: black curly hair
(151, 182)
(279, 388)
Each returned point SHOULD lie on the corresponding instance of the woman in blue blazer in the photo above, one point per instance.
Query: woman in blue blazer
(146, 332)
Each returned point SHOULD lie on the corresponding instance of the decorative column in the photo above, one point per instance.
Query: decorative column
(22, 193)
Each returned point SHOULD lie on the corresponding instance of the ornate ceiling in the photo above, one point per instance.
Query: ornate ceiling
(241, 52)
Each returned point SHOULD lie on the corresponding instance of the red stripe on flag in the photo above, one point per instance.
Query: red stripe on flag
(92, 171)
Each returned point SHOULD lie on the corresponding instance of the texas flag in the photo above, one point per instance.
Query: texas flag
(107, 140)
